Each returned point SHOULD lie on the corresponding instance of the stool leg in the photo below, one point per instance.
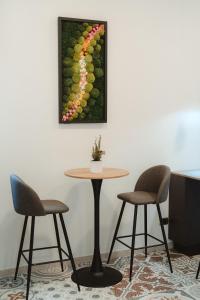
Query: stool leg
(116, 230)
(145, 228)
(58, 241)
(133, 241)
(68, 247)
(30, 257)
(164, 236)
(21, 246)
(198, 271)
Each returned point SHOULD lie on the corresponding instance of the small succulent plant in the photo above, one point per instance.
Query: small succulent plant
(96, 150)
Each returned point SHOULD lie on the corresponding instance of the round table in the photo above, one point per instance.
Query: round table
(97, 275)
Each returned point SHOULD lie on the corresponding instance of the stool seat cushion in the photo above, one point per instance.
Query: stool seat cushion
(54, 206)
(138, 197)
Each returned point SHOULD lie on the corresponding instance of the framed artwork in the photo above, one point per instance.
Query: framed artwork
(82, 54)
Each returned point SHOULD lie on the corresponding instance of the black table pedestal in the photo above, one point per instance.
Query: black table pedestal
(97, 275)
(108, 277)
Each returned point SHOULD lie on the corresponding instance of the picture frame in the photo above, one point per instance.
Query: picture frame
(82, 68)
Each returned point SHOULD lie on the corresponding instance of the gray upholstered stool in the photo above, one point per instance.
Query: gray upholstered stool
(27, 202)
(151, 188)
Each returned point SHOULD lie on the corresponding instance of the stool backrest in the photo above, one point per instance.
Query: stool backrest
(25, 199)
(155, 180)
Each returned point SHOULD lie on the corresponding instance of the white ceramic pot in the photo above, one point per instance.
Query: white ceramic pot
(96, 166)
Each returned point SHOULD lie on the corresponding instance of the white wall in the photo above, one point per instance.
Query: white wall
(153, 109)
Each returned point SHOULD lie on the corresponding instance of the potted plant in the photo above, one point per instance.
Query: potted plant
(96, 163)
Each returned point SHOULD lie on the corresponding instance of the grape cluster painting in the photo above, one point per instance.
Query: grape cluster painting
(82, 71)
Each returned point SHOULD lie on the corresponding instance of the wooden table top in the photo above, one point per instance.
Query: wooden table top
(107, 173)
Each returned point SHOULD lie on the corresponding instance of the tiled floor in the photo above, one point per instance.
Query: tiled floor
(151, 280)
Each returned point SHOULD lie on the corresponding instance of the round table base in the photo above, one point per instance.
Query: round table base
(108, 277)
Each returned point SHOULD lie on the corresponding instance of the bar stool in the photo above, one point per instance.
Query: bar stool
(151, 188)
(27, 202)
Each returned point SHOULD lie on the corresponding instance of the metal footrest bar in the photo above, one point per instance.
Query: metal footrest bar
(46, 262)
(43, 248)
(25, 258)
(151, 246)
(65, 253)
(49, 262)
(117, 239)
(130, 235)
(153, 237)
(139, 234)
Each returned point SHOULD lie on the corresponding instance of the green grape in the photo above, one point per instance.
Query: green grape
(92, 102)
(98, 72)
(70, 51)
(86, 109)
(90, 77)
(75, 88)
(98, 48)
(67, 61)
(83, 103)
(85, 24)
(96, 54)
(85, 33)
(68, 82)
(90, 49)
(101, 33)
(76, 68)
(81, 28)
(89, 28)
(77, 34)
(88, 87)
(67, 72)
(76, 77)
(78, 48)
(82, 115)
(97, 62)
(88, 58)
(81, 40)
(72, 96)
(86, 96)
(90, 67)
(66, 90)
(93, 43)
(79, 109)
(76, 57)
(70, 104)
(75, 115)
(97, 37)
(72, 41)
(101, 41)
(95, 93)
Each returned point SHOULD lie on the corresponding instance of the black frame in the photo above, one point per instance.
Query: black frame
(30, 251)
(145, 234)
(60, 75)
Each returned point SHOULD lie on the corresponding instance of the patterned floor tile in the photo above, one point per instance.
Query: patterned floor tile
(152, 280)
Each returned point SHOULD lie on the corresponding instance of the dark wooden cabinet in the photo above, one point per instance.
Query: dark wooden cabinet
(184, 211)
